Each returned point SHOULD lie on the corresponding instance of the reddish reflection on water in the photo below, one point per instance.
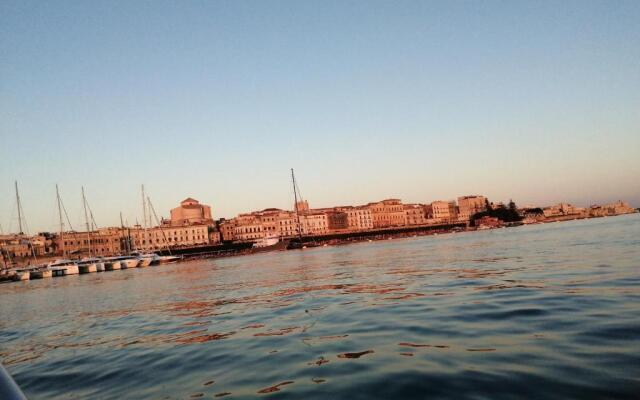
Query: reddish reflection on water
(275, 388)
(545, 316)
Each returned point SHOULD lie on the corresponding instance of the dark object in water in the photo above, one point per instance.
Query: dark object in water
(274, 388)
(355, 355)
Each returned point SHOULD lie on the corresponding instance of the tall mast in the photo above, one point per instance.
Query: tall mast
(61, 220)
(144, 209)
(86, 220)
(164, 237)
(295, 197)
(144, 216)
(127, 244)
(19, 209)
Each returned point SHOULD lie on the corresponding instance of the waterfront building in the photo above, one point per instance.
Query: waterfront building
(617, 208)
(444, 211)
(470, 205)
(415, 214)
(191, 212)
(227, 229)
(386, 213)
(337, 220)
(248, 228)
(560, 209)
(101, 242)
(359, 218)
(161, 237)
(22, 246)
(314, 223)
(288, 224)
(269, 219)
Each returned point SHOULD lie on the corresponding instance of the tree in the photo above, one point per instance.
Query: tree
(505, 214)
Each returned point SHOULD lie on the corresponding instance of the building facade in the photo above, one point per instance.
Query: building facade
(470, 205)
(387, 213)
(415, 214)
(191, 212)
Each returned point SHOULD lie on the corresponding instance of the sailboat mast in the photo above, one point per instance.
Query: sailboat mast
(19, 209)
(164, 237)
(144, 209)
(127, 243)
(295, 197)
(61, 220)
(86, 220)
(144, 216)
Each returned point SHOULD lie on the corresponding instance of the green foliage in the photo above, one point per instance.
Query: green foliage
(505, 214)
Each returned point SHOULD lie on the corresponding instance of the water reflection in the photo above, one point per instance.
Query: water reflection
(490, 314)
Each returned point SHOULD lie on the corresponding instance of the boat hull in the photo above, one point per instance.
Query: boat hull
(42, 274)
(145, 262)
(112, 266)
(21, 276)
(131, 263)
(88, 268)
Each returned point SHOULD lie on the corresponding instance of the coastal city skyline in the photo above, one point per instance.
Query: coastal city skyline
(535, 102)
(134, 215)
(364, 199)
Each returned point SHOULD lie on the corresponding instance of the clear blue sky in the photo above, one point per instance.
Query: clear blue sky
(531, 100)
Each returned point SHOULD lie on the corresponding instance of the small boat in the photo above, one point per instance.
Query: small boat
(40, 274)
(120, 262)
(266, 241)
(64, 267)
(21, 276)
(168, 259)
(146, 259)
(130, 262)
(89, 265)
(112, 264)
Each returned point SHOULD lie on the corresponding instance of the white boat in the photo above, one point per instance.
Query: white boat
(112, 264)
(146, 259)
(40, 274)
(120, 262)
(21, 276)
(168, 259)
(129, 262)
(89, 265)
(266, 242)
(64, 267)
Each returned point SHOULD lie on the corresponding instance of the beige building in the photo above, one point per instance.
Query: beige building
(470, 205)
(248, 228)
(227, 230)
(561, 209)
(415, 214)
(617, 208)
(191, 212)
(103, 242)
(337, 220)
(288, 224)
(22, 246)
(444, 211)
(387, 213)
(161, 237)
(314, 223)
(358, 218)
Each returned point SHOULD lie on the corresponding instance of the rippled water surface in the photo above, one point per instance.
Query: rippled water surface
(544, 311)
